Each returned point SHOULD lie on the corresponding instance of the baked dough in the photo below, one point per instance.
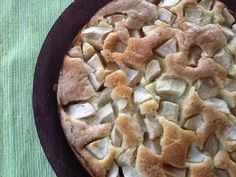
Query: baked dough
(148, 89)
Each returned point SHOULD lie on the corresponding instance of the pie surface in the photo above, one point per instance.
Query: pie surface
(148, 89)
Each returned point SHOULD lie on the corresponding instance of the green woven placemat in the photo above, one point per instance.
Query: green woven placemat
(24, 25)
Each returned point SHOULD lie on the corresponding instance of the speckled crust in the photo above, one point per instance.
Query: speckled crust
(127, 128)
(117, 80)
(139, 50)
(149, 164)
(214, 120)
(175, 143)
(209, 38)
(223, 161)
(138, 12)
(74, 75)
(79, 134)
(150, 90)
(206, 168)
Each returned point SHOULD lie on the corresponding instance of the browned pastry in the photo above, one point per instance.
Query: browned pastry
(148, 89)
(139, 50)
(74, 75)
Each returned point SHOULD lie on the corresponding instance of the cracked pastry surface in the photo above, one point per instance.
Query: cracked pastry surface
(148, 89)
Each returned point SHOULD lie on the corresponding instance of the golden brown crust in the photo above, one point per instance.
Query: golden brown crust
(117, 80)
(138, 12)
(127, 128)
(139, 50)
(175, 143)
(223, 161)
(79, 133)
(214, 121)
(74, 75)
(149, 164)
(209, 38)
(179, 10)
(206, 168)
(156, 127)
(100, 168)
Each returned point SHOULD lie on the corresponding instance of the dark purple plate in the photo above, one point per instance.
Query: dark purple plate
(52, 138)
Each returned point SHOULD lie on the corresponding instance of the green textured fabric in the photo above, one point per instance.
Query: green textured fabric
(24, 25)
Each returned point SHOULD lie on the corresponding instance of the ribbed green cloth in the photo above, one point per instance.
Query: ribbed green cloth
(24, 25)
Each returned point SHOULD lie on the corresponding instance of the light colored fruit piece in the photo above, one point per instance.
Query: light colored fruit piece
(232, 71)
(168, 86)
(94, 101)
(194, 123)
(148, 30)
(167, 48)
(130, 171)
(219, 104)
(232, 45)
(105, 97)
(197, 16)
(132, 76)
(232, 132)
(116, 137)
(211, 145)
(81, 110)
(106, 114)
(153, 145)
(194, 155)
(153, 69)
(169, 110)
(134, 34)
(193, 14)
(120, 105)
(154, 128)
(234, 28)
(169, 3)
(229, 33)
(95, 81)
(194, 56)
(95, 63)
(206, 4)
(95, 35)
(126, 157)
(141, 95)
(224, 57)
(99, 148)
(88, 50)
(151, 88)
(230, 85)
(229, 97)
(76, 52)
(114, 171)
(206, 88)
(166, 16)
(115, 18)
(229, 19)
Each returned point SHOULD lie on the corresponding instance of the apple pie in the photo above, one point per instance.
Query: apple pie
(148, 89)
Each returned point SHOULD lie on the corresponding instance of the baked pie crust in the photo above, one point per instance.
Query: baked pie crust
(148, 89)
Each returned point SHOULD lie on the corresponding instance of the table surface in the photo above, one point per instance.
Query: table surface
(23, 27)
